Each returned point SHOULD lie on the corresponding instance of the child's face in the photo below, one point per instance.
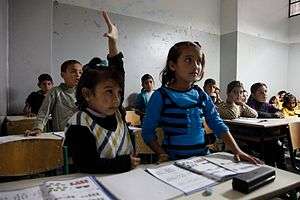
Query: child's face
(188, 67)
(210, 88)
(46, 86)
(72, 75)
(292, 104)
(261, 94)
(148, 85)
(106, 98)
(235, 95)
(245, 96)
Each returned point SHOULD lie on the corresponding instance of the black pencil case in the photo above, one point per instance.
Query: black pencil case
(247, 182)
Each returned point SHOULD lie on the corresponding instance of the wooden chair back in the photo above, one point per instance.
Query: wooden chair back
(133, 118)
(294, 142)
(30, 156)
(295, 135)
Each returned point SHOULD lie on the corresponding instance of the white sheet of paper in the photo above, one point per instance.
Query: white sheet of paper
(138, 184)
(79, 188)
(208, 169)
(181, 179)
(227, 161)
(33, 193)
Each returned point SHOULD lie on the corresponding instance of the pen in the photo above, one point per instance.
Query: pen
(264, 120)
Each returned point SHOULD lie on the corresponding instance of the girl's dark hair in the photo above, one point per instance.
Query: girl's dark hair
(234, 84)
(255, 87)
(167, 75)
(272, 99)
(288, 97)
(90, 78)
(146, 77)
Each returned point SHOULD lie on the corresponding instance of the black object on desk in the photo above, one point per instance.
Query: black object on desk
(247, 182)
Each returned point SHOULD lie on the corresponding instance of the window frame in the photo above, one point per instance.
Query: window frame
(290, 4)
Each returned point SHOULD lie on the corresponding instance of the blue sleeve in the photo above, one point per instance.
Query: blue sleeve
(213, 118)
(140, 103)
(152, 117)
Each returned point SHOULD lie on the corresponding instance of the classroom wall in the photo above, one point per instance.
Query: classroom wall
(201, 15)
(294, 56)
(78, 31)
(3, 58)
(263, 43)
(262, 60)
(29, 48)
(228, 44)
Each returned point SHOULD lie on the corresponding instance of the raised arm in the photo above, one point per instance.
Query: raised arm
(112, 35)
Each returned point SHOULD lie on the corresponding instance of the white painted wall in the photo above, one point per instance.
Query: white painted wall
(3, 58)
(78, 34)
(228, 16)
(29, 48)
(261, 60)
(201, 15)
(294, 69)
(294, 29)
(264, 19)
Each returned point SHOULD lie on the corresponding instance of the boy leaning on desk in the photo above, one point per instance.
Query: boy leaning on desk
(60, 101)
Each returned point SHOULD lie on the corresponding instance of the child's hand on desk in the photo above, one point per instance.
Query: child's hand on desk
(33, 132)
(163, 158)
(135, 161)
(239, 156)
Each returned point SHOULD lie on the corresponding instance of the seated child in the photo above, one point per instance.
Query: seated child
(274, 101)
(146, 92)
(289, 105)
(180, 108)
(35, 99)
(257, 100)
(274, 154)
(280, 95)
(234, 107)
(211, 88)
(60, 101)
(245, 96)
(96, 135)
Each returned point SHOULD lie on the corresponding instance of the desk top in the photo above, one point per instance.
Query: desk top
(12, 138)
(19, 118)
(284, 182)
(262, 123)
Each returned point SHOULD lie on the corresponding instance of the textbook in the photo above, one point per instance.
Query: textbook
(197, 173)
(218, 166)
(133, 185)
(85, 188)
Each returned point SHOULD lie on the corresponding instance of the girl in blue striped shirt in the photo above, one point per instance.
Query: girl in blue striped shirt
(180, 107)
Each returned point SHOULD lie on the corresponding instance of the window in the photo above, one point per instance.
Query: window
(294, 8)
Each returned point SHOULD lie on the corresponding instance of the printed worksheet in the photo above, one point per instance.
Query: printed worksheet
(181, 179)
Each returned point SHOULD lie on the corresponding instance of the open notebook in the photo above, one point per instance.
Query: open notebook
(80, 188)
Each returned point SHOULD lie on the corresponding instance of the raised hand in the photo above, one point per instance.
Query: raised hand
(112, 32)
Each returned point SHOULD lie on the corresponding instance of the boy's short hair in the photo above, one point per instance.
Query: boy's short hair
(44, 77)
(146, 77)
(234, 84)
(256, 86)
(67, 63)
(209, 81)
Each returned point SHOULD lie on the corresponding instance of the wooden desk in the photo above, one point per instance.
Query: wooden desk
(284, 182)
(21, 155)
(18, 124)
(259, 130)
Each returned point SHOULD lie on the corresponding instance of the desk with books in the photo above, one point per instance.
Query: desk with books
(139, 184)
